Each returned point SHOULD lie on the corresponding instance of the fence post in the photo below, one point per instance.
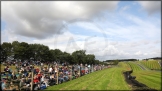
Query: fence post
(32, 80)
(57, 75)
(79, 71)
(89, 68)
(92, 67)
(71, 73)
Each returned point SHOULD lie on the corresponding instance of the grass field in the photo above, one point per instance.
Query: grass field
(152, 64)
(134, 66)
(150, 78)
(107, 79)
(124, 66)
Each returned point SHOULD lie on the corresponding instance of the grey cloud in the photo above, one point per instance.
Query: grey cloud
(44, 19)
(151, 6)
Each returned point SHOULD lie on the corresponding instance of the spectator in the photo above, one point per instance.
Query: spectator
(60, 78)
(35, 80)
(29, 76)
(52, 80)
(50, 70)
(43, 86)
(3, 85)
(13, 76)
(46, 80)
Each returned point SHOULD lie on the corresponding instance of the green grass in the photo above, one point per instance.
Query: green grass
(124, 65)
(150, 78)
(107, 79)
(134, 66)
(152, 64)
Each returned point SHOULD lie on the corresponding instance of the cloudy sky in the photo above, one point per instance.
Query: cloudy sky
(108, 29)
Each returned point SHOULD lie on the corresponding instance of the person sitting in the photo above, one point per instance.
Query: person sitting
(39, 75)
(12, 86)
(35, 80)
(13, 76)
(66, 78)
(35, 86)
(29, 76)
(5, 69)
(60, 78)
(43, 86)
(46, 80)
(3, 85)
(52, 80)
(25, 72)
(50, 70)
(37, 70)
(24, 85)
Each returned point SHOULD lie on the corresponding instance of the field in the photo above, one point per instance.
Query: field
(151, 64)
(107, 79)
(134, 66)
(148, 77)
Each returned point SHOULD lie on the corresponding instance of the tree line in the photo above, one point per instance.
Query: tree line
(24, 51)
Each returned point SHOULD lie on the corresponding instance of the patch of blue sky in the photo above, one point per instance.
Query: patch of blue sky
(3, 25)
(74, 29)
(133, 8)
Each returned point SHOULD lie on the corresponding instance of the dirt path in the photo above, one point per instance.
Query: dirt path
(136, 85)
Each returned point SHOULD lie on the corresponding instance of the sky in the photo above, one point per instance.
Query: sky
(107, 29)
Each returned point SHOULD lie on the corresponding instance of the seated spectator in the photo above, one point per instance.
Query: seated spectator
(46, 80)
(12, 87)
(22, 83)
(25, 73)
(13, 76)
(43, 86)
(50, 70)
(3, 85)
(37, 70)
(52, 80)
(23, 76)
(66, 78)
(29, 76)
(28, 81)
(39, 75)
(35, 80)
(5, 69)
(60, 78)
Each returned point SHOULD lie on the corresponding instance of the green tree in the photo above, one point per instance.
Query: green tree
(116, 62)
(79, 56)
(6, 50)
(90, 58)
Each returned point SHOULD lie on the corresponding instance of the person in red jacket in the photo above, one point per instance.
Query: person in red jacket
(39, 75)
(35, 80)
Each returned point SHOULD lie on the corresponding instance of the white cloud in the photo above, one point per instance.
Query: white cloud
(151, 6)
(43, 19)
(138, 53)
(125, 8)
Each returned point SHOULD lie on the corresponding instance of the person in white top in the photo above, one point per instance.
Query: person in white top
(50, 70)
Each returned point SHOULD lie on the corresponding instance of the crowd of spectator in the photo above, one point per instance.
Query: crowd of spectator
(39, 75)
